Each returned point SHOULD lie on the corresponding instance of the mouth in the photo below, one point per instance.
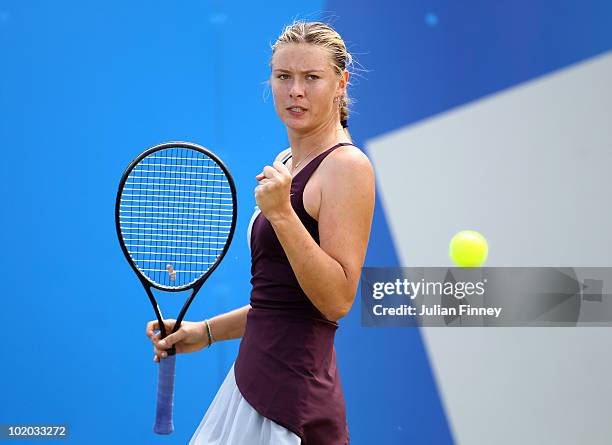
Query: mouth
(296, 111)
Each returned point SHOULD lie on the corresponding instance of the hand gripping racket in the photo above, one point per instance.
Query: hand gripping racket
(175, 215)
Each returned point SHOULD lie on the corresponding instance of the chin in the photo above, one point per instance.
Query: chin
(296, 126)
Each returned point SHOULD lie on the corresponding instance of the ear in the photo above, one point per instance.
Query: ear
(342, 83)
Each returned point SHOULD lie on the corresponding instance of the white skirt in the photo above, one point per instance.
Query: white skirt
(231, 420)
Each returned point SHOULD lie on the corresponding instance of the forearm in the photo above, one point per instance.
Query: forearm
(229, 325)
(321, 277)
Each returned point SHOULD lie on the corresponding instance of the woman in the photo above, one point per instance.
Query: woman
(308, 245)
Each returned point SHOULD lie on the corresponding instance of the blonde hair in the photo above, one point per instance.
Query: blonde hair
(321, 34)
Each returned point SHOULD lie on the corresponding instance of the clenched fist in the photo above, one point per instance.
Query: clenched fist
(272, 193)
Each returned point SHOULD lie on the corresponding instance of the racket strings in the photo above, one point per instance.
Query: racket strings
(176, 214)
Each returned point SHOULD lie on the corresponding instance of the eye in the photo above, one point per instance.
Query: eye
(282, 76)
(312, 76)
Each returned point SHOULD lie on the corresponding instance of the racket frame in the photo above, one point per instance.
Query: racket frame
(196, 285)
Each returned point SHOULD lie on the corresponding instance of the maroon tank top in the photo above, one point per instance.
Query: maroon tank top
(286, 365)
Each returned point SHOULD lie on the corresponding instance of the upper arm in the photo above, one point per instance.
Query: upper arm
(345, 213)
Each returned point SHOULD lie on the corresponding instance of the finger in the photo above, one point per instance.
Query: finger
(171, 339)
(160, 353)
(282, 168)
(272, 173)
(168, 325)
(264, 181)
(281, 173)
(266, 172)
(152, 326)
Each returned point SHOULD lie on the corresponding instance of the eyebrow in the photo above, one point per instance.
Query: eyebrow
(303, 72)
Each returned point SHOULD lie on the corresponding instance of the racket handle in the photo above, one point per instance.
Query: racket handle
(165, 395)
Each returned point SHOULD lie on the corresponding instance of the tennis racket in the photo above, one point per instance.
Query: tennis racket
(175, 215)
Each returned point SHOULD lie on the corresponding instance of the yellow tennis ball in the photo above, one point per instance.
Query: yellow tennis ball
(468, 248)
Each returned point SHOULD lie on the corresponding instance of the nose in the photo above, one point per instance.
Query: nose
(296, 90)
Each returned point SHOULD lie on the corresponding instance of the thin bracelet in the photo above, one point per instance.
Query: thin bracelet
(211, 339)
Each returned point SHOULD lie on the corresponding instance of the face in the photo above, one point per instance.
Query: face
(304, 86)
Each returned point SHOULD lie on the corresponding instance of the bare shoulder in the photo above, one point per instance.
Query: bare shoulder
(346, 162)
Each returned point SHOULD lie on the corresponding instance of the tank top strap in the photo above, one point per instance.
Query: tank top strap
(300, 180)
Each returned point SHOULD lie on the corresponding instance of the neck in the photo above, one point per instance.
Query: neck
(316, 140)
